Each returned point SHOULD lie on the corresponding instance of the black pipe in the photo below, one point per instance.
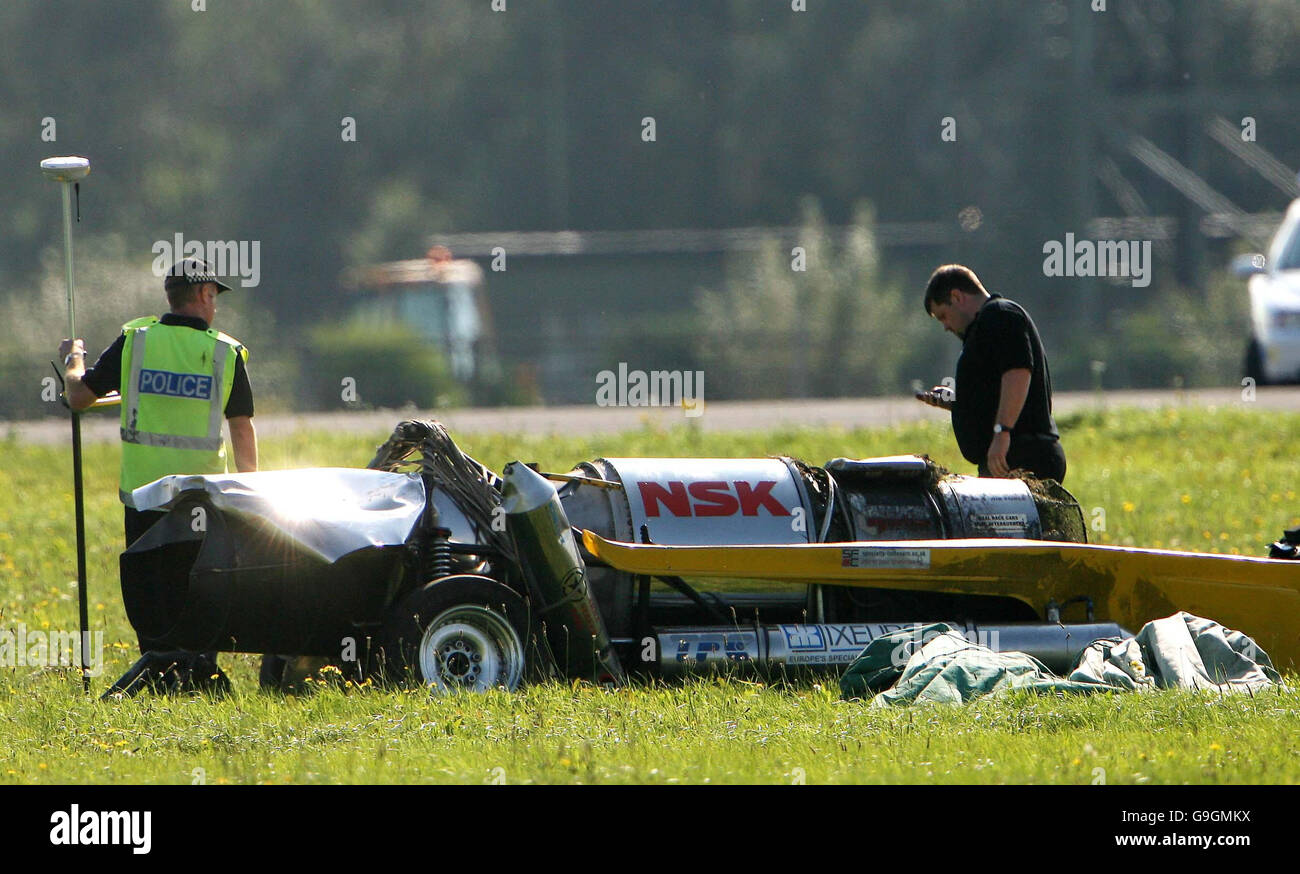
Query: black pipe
(81, 549)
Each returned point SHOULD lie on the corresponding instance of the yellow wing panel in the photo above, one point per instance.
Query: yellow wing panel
(1258, 596)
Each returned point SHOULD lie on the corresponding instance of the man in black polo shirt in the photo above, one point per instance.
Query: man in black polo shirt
(1002, 410)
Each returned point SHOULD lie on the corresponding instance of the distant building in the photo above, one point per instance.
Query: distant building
(437, 296)
(570, 304)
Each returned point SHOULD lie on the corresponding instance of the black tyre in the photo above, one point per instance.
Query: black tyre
(1255, 363)
(462, 632)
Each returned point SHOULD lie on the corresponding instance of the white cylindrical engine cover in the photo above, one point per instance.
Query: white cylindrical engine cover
(714, 501)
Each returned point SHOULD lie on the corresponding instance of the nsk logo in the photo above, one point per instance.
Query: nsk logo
(711, 498)
(177, 385)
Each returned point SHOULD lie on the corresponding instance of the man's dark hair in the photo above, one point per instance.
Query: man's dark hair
(948, 277)
(182, 294)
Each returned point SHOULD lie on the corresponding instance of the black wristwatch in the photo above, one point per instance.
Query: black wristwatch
(998, 429)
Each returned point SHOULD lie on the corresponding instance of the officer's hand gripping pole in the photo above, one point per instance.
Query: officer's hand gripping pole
(67, 171)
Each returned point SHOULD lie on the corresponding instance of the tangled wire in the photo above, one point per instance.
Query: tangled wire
(474, 488)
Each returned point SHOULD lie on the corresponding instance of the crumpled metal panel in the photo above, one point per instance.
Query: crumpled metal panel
(329, 511)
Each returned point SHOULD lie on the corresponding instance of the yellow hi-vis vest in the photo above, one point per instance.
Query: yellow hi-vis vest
(175, 384)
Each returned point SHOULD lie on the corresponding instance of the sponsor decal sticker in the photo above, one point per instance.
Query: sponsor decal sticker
(1013, 523)
(884, 557)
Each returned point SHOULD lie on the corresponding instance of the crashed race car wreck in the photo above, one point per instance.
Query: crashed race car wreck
(429, 567)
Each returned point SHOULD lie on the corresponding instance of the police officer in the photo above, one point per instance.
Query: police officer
(178, 377)
(1002, 411)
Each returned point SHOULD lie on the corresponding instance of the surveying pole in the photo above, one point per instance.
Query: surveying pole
(67, 171)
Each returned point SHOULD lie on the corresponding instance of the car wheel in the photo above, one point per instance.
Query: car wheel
(1255, 363)
(464, 632)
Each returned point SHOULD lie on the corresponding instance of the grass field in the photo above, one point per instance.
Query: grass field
(1213, 480)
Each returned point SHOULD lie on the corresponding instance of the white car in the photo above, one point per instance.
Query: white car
(1273, 354)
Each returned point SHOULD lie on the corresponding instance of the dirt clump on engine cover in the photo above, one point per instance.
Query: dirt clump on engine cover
(1059, 512)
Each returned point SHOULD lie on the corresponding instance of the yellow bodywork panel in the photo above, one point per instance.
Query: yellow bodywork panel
(1129, 586)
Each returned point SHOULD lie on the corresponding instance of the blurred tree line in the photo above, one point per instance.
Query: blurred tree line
(230, 123)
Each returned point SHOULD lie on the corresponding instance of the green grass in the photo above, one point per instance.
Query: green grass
(707, 731)
(1214, 480)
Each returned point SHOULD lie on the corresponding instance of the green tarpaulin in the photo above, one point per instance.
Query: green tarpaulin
(933, 663)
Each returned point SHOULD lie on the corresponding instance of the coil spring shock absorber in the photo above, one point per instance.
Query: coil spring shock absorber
(438, 556)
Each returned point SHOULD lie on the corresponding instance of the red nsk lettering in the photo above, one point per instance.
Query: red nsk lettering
(674, 498)
(751, 500)
(711, 498)
(714, 499)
